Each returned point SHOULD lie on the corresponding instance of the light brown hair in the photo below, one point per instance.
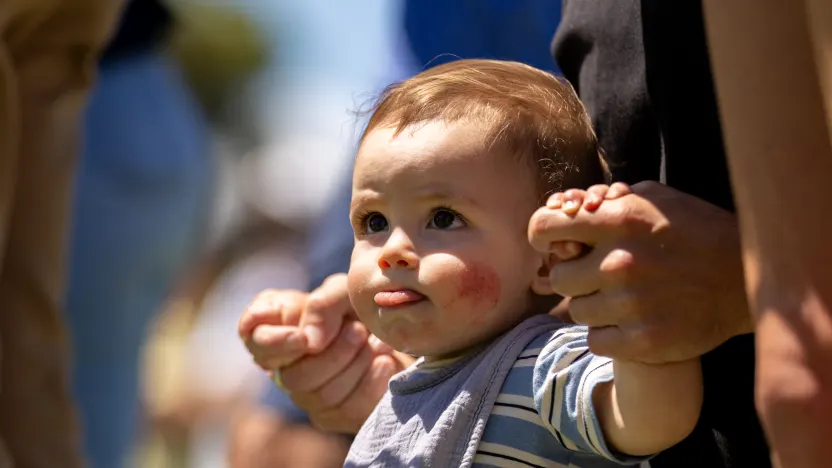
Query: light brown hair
(527, 111)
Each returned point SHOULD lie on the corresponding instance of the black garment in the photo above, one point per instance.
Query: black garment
(144, 25)
(642, 69)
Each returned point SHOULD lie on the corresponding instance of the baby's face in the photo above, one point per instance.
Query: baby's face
(441, 259)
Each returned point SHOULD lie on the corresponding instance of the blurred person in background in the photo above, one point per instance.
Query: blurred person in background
(48, 56)
(435, 32)
(520, 30)
(197, 379)
(141, 206)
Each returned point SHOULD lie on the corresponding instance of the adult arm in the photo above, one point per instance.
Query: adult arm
(776, 119)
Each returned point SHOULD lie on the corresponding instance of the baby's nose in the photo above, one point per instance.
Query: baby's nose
(398, 259)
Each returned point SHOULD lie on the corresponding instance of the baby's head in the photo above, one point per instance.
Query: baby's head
(452, 165)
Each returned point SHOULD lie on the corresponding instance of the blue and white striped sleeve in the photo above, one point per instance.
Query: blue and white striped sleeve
(565, 376)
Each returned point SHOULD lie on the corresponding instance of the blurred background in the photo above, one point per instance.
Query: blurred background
(218, 134)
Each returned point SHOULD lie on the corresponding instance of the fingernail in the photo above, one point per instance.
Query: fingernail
(314, 335)
(573, 248)
(555, 201)
(593, 199)
(570, 206)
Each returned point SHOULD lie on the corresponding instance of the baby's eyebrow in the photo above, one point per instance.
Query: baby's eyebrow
(442, 195)
(427, 196)
(364, 198)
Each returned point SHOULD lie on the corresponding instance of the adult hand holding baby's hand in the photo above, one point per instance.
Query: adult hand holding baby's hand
(327, 361)
(663, 279)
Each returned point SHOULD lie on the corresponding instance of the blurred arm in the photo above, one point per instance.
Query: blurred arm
(773, 70)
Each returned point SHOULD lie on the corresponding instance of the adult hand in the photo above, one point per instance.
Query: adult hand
(281, 326)
(338, 372)
(663, 281)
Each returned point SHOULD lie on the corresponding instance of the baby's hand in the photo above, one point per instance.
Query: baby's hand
(571, 201)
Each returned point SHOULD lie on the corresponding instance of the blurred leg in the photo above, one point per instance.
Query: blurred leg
(8, 171)
(52, 47)
(143, 193)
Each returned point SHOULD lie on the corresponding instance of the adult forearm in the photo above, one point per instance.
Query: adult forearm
(774, 79)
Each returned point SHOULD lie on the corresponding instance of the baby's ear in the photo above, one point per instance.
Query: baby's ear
(540, 283)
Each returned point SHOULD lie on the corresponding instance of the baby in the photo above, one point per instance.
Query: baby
(451, 167)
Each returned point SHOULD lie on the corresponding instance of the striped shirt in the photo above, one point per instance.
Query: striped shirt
(524, 401)
(544, 414)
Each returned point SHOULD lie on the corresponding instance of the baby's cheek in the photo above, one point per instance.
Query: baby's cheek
(360, 299)
(478, 286)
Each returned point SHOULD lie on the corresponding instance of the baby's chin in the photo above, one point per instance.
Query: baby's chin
(434, 348)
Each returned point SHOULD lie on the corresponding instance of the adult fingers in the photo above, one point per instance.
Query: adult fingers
(351, 414)
(639, 341)
(607, 341)
(602, 308)
(379, 347)
(272, 307)
(578, 277)
(274, 346)
(325, 311)
(597, 269)
(333, 393)
(312, 372)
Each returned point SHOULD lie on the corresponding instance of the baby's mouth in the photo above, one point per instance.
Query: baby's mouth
(398, 298)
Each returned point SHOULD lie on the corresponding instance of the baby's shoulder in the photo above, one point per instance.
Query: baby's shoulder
(560, 334)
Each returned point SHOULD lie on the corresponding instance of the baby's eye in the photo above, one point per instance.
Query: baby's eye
(375, 222)
(444, 218)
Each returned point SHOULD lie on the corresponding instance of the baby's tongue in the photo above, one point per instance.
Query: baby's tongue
(397, 298)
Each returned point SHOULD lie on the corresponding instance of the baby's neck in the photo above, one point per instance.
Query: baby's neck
(457, 354)
(442, 359)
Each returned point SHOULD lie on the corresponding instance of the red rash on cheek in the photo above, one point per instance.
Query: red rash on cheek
(480, 285)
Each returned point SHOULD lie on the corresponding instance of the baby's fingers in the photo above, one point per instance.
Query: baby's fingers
(595, 195)
(567, 250)
(618, 190)
(573, 199)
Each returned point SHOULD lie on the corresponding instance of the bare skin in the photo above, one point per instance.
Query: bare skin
(777, 123)
(349, 414)
(673, 392)
(696, 330)
(663, 280)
